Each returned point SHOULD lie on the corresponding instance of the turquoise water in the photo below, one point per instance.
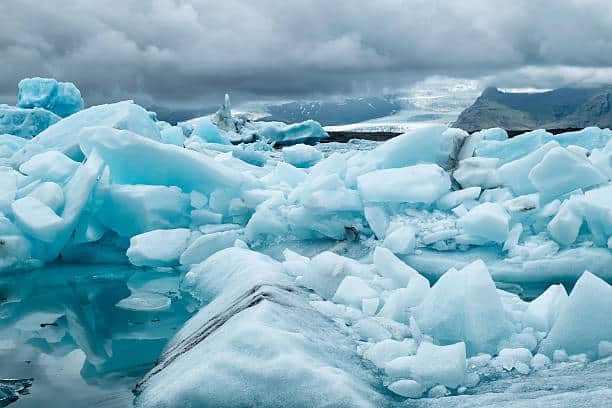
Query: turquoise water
(61, 326)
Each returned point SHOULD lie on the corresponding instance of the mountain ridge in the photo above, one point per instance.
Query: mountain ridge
(557, 109)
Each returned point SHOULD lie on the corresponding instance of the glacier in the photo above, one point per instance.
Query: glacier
(229, 262)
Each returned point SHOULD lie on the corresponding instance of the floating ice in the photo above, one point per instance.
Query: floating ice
(584, 320)
(173, 135)
(493, 134)
(516, 174)
(384, 351)
(565, 225)
(327, 270)
(390, 266)
(36, 219)
(64, 135)
(422, 183)
(143, 301)
(477, 172)
(206, 245)
(223, 117)
(542, 311)
(577, 172)
(25, 123)
(127, 153)
(281, 135)
(400, 302)
(486, 222)
(9, 144)
(432, 365)
(49, 166)
(61, 98)
(352, 291)
(464, 305)
(407, 388)
(50, 194)
(455, 198)
(131, 209)
(208, 132)
(158, 247)
(401, 240)
(301, 155)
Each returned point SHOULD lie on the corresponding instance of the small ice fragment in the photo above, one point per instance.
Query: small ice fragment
(407, 388)
(142, 301)
(352, 291)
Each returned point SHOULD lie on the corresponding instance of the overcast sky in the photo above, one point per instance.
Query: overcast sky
(183, 53)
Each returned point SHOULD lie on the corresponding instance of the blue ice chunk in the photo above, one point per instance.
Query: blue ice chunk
(9, 144)
(433, 144)
(25, 123)
(249, 155)
(134, 209)
(134, 159)
(223, 118)
(515, 174)
(76, 196)
(64, 135)
(562, 171)
(487, 222)
(301, 155)
(512, 149)
(584, 321)
(161, 247)
(173, 135)
(210, 133)
(421, 183)
(590, 138)
(493, 134)
(284, 135)
(464, 305)
(61, 98)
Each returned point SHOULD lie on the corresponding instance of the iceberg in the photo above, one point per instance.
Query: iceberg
(64, 135)
(432, 365)
(487, 222)
(281, 135)
(158, 247)
(126, 153)
(208, 132)
(463, 305)
(583, 322)
(49, 166)
(578, 173)
(422, 183)
(543, 311)
(61, 98)
(25, 123)
(223, 118)
(251, 320)
(132, 209)
(301, 155)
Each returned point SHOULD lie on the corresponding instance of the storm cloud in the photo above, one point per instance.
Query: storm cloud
(184, 53)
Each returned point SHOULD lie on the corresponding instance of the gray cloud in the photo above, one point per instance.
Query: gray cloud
(184, 53)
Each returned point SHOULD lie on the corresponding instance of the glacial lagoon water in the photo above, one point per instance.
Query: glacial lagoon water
(63, 326)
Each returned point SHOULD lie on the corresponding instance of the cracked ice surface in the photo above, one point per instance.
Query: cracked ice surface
(454, 268)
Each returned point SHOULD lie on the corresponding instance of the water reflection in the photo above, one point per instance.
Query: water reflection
(86, 333)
